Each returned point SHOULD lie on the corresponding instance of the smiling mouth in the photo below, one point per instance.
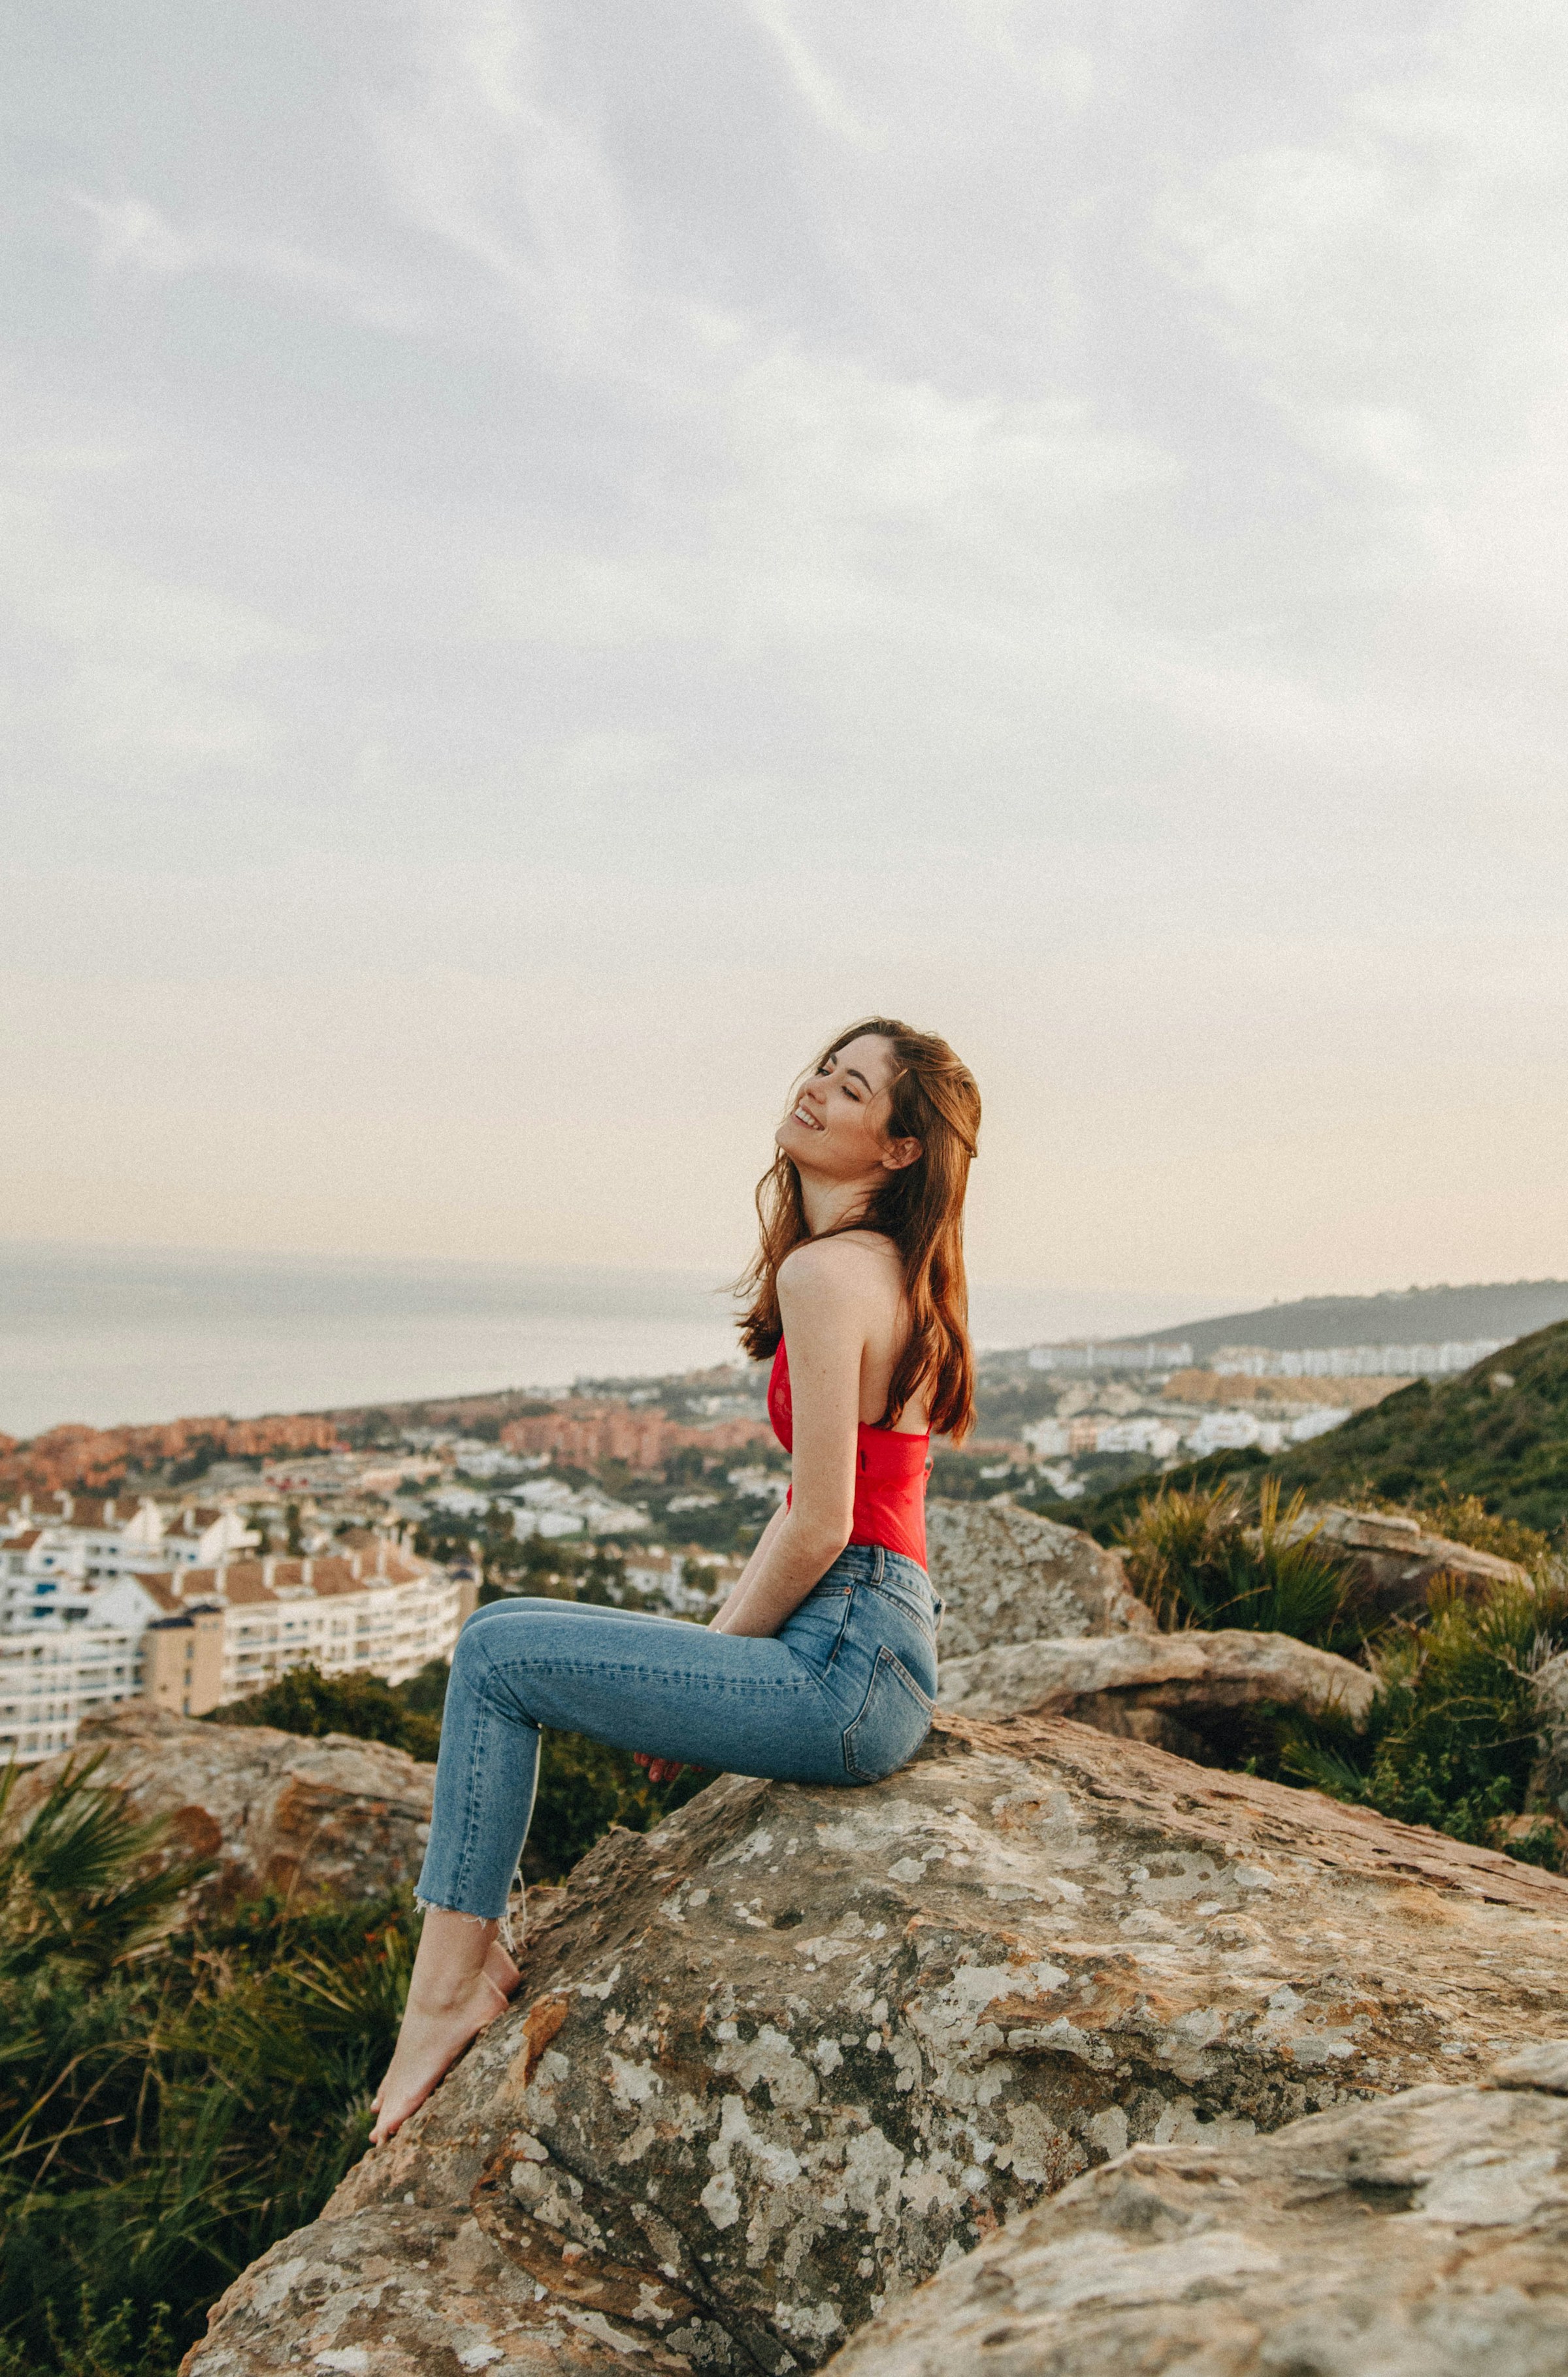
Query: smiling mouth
(800, 1116)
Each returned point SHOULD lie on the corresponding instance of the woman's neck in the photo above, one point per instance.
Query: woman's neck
(834, 1205)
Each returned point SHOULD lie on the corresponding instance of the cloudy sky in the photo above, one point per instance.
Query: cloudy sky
(557, 552)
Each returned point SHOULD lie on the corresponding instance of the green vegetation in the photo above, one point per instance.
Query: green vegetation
(1197, 1559)
(168, 2105)
(1451, 1736)
(303, 1700)
(1499, 1432)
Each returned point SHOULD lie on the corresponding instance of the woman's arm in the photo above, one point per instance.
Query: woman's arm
(759, 1551)
(828, 1299)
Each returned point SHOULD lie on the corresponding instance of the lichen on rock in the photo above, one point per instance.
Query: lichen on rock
(1007, 1575)
(1423, 2236)
(786, 2056)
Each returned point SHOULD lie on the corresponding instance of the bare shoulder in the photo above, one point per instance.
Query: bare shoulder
(857, 1266)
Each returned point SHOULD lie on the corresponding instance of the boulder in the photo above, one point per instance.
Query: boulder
(1007, 1576)
(1423, 2236)
(1395, 1561)
(787, 2056)
(334, 1818)
(1168, 1689)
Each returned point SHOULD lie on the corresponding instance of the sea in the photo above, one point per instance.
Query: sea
(105, 1335)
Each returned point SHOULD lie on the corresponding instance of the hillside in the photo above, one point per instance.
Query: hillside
(1415, 1316)
(1509, 1444)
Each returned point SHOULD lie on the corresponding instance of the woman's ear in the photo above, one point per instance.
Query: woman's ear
(900, 1153)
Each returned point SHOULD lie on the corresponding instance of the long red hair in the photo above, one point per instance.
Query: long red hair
(935, 1100)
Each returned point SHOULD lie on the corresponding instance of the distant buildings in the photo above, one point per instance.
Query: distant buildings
(1268, 1362)
(583, 1434)
(1233, 1431)
(1354, 1361)
(1083, 1354)
(103, 1604)
(549, 1506)
(1155, 1437)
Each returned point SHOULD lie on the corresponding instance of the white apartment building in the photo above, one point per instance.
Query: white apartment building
(102, 1539)
(1225, 1431)
(189, 1637)
(1047, 1439)
(1230, 1431)
(373, 1609)
(1355, 1361)
(1155, 1437)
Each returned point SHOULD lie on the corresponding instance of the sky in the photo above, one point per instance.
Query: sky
(556, 553)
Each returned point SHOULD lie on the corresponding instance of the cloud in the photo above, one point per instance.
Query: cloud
(810, 80)
(569, 556)
(133, 235)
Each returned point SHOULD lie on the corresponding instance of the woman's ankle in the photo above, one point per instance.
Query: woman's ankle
(434, 1997)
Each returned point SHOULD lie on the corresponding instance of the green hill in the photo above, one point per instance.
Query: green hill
(1506, 1442)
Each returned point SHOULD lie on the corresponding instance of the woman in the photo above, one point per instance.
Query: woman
(821, 1666)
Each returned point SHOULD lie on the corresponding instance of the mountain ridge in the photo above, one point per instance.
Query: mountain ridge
(1505, 1310)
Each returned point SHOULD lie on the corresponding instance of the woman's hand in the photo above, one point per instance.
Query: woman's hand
(660, 1770)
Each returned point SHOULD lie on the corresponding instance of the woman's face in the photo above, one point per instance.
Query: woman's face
(837, 1126)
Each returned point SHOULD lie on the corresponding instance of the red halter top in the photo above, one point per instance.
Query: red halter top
(891, 1471)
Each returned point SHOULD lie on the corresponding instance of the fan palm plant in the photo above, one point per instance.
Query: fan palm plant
(171, 2101)
(1198, 1562)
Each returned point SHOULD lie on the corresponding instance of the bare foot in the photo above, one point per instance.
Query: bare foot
(433, 2033)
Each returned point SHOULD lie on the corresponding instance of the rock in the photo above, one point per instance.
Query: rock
(402, 2290)
(788, 2055)
(334, 1818)
(1007, 1576)
(1166, 1689)
(1424, 2236)
(1396, 1563)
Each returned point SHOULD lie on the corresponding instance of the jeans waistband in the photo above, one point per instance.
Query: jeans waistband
(902, 1579)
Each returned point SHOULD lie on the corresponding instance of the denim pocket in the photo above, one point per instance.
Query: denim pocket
(894, 1719)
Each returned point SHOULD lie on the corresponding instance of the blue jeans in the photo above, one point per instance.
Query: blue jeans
(842, 1694)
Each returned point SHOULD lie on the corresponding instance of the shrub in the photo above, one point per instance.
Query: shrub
(303, 1700)
(169, 2105)
(1197, 1563)
(1452, 1735)
(1464, 1519)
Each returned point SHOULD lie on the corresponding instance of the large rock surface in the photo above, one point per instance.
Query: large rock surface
(791, 2054)
(1426, 2237)
(1008, 1576)
(1168, 1689)
(1395, 1561)
(335, 1817)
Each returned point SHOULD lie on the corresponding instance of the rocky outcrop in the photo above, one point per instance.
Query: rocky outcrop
(789, 2055)
(1425, 2236)
(335, 1817)
(1007, 1576)
(1168, 1689)
(1394, 1561)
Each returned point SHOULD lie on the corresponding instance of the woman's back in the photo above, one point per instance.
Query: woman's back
(891, 1469)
